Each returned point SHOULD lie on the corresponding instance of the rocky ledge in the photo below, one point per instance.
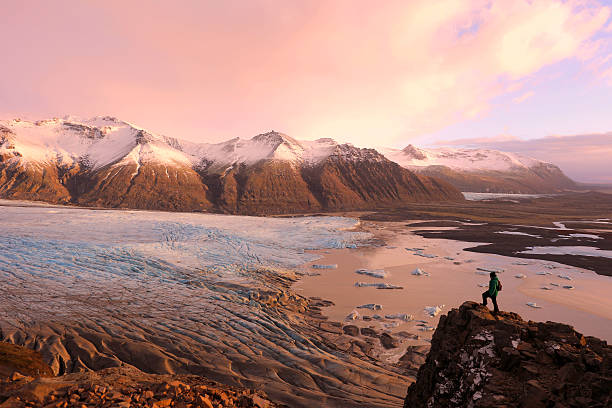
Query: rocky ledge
(479, 360)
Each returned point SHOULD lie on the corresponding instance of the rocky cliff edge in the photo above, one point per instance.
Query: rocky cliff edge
(478, 360)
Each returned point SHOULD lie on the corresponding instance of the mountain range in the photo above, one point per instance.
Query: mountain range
(483, 170)
(106, 162)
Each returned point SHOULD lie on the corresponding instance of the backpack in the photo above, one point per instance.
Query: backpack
(499, 286)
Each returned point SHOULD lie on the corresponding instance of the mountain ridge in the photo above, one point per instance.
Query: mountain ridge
(106, 162)
(483, 170)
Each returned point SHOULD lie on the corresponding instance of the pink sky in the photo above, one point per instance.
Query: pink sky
(400, 72)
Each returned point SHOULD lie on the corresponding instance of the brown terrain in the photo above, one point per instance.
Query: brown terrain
(482, 221)
(544, 178)
(480, 360)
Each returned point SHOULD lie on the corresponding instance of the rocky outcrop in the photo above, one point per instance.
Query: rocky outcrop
(124, 387)
(478, 360)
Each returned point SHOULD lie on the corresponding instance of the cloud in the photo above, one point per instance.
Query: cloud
(342, 69)
(523, 97)
(583, 157)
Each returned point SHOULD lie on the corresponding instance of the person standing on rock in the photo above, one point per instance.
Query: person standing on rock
(494, 287)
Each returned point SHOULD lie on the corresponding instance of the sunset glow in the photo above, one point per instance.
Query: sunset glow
(401, 72)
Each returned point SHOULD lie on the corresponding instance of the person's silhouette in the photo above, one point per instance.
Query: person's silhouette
(494, 288)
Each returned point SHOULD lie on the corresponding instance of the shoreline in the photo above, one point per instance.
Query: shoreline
(585, 306)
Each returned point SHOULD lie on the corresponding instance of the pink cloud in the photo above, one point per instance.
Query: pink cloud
(342, 69)
(523, 97)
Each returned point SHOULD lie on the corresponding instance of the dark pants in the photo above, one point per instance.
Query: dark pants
(486, 295)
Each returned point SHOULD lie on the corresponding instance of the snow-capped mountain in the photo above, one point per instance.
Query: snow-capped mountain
(483, 170)
(107, 162)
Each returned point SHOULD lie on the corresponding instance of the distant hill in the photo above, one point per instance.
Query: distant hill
(107, 162)
(483, 170)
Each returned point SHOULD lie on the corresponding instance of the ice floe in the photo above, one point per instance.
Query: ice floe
(569, 250)
(544, 273)
(518, 233)
(377, 285)
(331, 266)
(371, 306)
(534, 305)
(546, 288)
(568, 287)
(520, 276)
(399, 316)
(420, 272)
(490, 269)
(566, 277)
(433, 311)
(375, 273)
(354, 315)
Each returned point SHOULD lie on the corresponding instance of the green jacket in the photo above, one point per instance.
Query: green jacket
(493, 286)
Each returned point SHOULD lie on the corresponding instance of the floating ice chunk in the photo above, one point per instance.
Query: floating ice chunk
(399, 316)
(391, 247)
(331, 266)
(590, 236)
(554, 284)
(354, 315)
(351, 246)
(481, 273)
(521, 263)
(450, 258)
(388, 286)
(371, 306)
(483, 285)
(520, 276)
(419, 272)
(567, 277)
(425, 255)
(433, 311)
(568, 287)
(377, 285)
(415, 249)
(496, 270)
(534, 305)
(377, 317)
(391, 325)
(426, 328)
(518, 233)
(376, 273)
(546, 288)
(544, 273)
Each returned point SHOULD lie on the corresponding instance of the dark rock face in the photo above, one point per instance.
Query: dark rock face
(267, 187)
(479, 361)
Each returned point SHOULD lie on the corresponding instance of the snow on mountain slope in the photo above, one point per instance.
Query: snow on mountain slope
(460, 159)
(95, 142)
(483, 170)
(100, 141)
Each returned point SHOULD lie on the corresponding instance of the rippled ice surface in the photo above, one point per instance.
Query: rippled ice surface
(39, 240)
(175, 292)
